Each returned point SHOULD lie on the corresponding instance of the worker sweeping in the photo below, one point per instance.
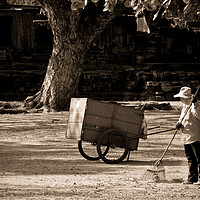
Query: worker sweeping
(190, 128)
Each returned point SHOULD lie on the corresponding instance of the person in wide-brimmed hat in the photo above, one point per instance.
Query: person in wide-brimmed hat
(185, 92)
(190, 128)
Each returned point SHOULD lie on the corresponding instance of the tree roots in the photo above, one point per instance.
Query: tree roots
(34, 101)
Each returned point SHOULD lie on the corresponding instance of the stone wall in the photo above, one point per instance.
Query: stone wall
(148, 82)
(122, 64)
(140, 66)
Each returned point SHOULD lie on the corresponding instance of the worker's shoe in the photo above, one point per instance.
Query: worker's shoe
(197, 183)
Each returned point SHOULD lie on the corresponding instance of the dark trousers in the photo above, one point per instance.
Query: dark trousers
(192, 152)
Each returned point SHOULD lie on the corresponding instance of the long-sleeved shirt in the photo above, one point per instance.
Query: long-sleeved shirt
(191, 123)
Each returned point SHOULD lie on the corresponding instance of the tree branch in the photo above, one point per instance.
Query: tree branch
(94, 20)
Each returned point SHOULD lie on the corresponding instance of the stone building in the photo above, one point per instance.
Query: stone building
(129, 65)
(122, 64)
(20, 73)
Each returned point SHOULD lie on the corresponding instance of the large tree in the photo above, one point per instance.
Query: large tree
(73, 31)
(75, 24)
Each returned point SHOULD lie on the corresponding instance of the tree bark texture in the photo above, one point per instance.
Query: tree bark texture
(73, 33)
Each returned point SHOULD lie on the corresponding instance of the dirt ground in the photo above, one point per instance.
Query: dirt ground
(38, 162)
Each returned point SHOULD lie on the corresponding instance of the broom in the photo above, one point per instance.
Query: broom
(157, 172)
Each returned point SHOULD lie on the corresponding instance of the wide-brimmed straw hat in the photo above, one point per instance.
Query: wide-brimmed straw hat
(185, 92)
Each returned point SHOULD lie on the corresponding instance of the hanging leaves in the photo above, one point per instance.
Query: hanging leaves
(151, 5)
(127, 3)
(109, 5)
(76, 4)
(95, 1)
(179, 11)
(192, 10)
(142, 24)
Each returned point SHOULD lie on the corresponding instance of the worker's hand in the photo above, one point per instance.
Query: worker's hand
(179, 125)
(194, 100)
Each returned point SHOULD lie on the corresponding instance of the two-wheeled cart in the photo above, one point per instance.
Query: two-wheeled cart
(104, 130)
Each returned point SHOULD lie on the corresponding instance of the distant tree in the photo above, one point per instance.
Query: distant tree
(75, 24)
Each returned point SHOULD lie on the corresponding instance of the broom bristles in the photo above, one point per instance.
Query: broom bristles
(155, 174)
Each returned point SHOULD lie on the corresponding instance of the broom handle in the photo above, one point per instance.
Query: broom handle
(157, 163)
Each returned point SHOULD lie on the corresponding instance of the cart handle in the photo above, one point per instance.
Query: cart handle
(153, 128)
(141, 136)
(154, 133)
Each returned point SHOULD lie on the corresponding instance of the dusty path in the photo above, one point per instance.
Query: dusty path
(37, 162)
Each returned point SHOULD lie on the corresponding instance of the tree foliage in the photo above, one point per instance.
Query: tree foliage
(178, 11)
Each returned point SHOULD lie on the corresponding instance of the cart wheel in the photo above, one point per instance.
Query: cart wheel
(89, 150)
(117, 143)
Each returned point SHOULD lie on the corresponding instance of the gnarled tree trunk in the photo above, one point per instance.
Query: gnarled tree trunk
(62, 76)
(73, 33)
